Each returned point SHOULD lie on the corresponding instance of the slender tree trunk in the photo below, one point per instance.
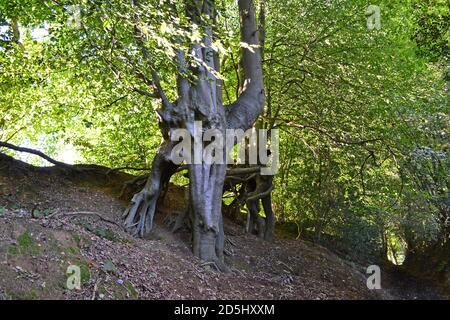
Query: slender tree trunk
(270, 218)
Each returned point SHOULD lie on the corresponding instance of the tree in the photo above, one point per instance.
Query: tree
(168, 52)
(199, 98)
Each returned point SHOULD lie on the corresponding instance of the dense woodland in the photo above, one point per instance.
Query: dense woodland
(360, 101)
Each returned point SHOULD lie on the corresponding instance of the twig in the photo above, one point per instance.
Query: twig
(85, 213)
(289, 268)
(94, 293)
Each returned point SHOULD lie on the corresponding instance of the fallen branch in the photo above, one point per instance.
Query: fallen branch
(287, 267)
(94, 292)
(231, 242)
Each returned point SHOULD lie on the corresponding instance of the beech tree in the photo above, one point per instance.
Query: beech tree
(199, 98)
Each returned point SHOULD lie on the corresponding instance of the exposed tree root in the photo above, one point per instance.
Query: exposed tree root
(139, 215)
(254, 190)
(130, 186)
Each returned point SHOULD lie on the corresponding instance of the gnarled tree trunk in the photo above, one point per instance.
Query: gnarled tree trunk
(200, 99)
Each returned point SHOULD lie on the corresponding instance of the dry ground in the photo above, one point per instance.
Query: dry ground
(50, 219)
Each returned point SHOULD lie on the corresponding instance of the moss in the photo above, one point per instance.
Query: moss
(31, 294)
(85, 272)
(25, 240)
(106, 234)
(77, 238)
(122, 292)
(73, 250)
(13, 250)
(442, 266)
(26, 245)
(42, 213)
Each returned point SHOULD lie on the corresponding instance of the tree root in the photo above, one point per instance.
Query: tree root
(131, 186)
(84, 213)
(177, 220)
(218, 265)
(139, 215)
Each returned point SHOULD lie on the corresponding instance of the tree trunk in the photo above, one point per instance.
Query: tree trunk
(270, 218)
(200, 99)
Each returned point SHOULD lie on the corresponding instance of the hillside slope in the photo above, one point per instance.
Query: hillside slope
(51, 219)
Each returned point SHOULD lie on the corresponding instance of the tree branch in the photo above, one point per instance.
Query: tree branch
(326, 133)
(243, 113)
(243, 171)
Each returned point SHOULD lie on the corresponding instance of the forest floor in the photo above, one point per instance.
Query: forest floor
(50, 219)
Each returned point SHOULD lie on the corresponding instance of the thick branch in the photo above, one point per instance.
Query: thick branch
(243, 113)
(16, 30)
(37, 153)
(257, 196)
(327, 134)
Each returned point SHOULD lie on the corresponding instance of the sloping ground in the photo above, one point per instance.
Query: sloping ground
(50, 220)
